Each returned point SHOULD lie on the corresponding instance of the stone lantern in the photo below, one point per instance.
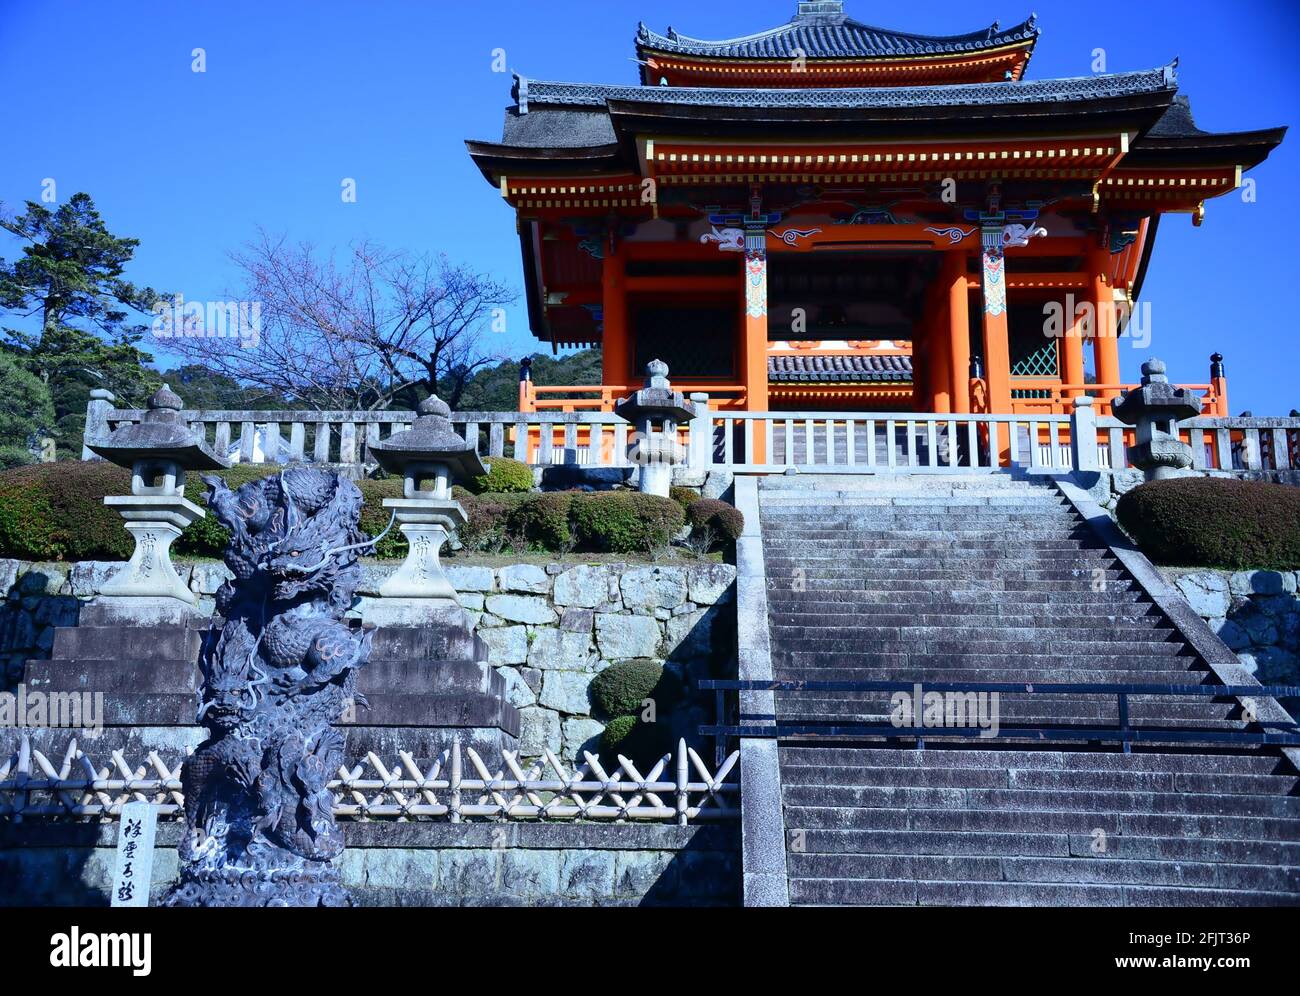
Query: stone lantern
(158, 450)
(655, 411)
(1154, 409)
(430, 456)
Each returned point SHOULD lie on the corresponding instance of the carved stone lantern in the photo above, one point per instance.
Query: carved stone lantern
(158, 450)
(655, 411)
(1154, 409)
(430, 456)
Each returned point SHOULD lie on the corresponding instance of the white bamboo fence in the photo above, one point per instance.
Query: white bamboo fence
(457, 786)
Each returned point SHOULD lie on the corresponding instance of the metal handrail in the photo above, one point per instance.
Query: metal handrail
(1288, 734)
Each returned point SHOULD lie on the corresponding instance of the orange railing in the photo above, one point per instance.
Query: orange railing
(1054, 398)
(602, 397)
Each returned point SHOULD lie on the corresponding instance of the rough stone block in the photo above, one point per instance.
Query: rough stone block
(707, 585)
(651, 588)
(580, 735)
(636, 873)
(87, 577)
(522, 609)
(556, 649)
(470, 578)
(584, 586)
(506, 644)
(1207, 593)
(566, 691)
(468, 872)
(621, 637)
(539, 730)
(518, 691)
(1261, 582)
(587, 874)
(528, 578)
(530, 873)
(577, 620)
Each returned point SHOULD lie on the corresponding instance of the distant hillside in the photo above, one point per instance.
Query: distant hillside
(496, 389)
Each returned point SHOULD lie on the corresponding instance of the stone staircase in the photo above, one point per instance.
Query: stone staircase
(994, 578)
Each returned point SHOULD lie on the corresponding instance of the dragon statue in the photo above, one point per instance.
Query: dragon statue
(259, 823)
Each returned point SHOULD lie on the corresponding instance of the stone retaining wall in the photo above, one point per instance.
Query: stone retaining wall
(1256, 613)
(550, 629)
(423, 864)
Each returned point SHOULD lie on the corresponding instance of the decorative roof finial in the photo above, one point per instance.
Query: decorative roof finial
(166, 398)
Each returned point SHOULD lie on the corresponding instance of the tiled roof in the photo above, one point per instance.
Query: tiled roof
(542, 92)
(822, 31)
(814, 369)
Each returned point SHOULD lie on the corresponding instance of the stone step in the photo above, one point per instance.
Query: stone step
(934, 614)
(1095, 675)
(1027, 845)
(1042, 869)
(1077, 821)
(937, 645)
(961, 628)
(1267, 762)
(874, 613)
(833, 599)
(1075, 710)
(1118, 780)
(796, 665)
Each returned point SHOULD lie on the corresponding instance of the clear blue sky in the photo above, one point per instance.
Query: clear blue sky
(299, 95)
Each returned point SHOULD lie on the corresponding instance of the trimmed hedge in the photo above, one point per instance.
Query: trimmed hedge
(1215, 522)
(726, 521)
(685, 497)
(504, 476)
(624, 521)
(620, 689)
(617, 694)
(56, 511)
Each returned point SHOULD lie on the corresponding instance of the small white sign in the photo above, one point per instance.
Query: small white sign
(135, 841)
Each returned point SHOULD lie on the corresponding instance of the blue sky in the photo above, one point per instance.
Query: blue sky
(298, 96)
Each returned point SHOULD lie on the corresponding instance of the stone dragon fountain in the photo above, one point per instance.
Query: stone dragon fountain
(259, 823)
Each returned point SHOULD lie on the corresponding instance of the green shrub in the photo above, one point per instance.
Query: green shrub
(504, 476)
(621, 688)
(56, 511)
(375, 518)
(1215, 522)
(542, 520)
(726, 521)
(488, 525)
(685, 497)
(641, 743)
(15, 456)
(624, 522)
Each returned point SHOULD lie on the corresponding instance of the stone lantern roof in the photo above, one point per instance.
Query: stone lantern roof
(1156, 398)
(431, 439)
(657, 400)
(162, 434)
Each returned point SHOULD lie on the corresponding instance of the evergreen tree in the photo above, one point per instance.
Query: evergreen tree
(69, 284)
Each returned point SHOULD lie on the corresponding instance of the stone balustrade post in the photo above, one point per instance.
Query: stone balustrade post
(97, 408)
(1083, 435)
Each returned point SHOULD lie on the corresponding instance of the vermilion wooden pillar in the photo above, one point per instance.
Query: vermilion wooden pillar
(1071, 351)
(958, 289)
(939, 354)
(753, 359)
(614, 363)
(1105, 341)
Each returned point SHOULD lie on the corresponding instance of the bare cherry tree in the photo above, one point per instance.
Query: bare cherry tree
(351, 333)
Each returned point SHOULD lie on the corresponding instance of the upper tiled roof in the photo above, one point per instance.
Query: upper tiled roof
(839, 369)
(823, 31)
(542, 92)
